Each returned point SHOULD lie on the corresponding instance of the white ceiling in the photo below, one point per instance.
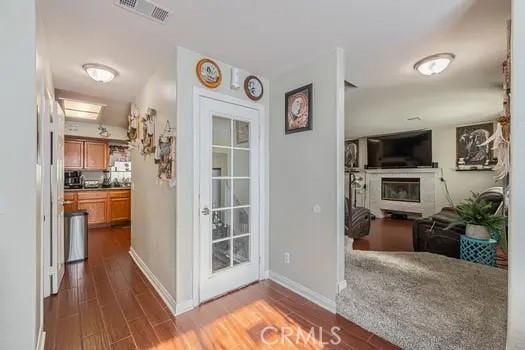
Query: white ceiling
(381, 38)
(468, 92)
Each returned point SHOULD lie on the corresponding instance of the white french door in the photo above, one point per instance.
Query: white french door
(229, 197)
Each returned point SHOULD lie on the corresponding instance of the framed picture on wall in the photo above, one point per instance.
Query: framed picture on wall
(351, 154)
(471, 153)
(298, 110)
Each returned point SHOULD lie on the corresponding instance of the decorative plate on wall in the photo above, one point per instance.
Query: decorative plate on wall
(209, 73)
(253, 88)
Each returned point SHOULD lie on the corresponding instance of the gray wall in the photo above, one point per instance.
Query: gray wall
(516, 308)
(303, 173)
(153, 210)
(186, 81)
(19, 238)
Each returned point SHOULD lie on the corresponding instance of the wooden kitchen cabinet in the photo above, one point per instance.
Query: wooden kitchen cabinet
(120, 206)
(95, 155)
(105, 206)
(85, 154)
(96, 203)
(73, 154)
(70, 201)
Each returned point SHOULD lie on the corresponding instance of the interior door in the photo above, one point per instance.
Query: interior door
(229, 197)
(57, 199)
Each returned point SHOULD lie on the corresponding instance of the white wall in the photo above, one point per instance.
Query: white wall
(304, 173)
(82, 129)
(153, 211)
(19, 298)
(461, 184)
(186, 81)
(516, 307)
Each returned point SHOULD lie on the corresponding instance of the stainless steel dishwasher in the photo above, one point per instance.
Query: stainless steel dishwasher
(75, 235)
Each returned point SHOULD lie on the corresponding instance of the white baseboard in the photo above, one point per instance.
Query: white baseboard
(265, 275)
(342, 285)
(303, 291)
(184, 306)
(163, 292)
(41, 341)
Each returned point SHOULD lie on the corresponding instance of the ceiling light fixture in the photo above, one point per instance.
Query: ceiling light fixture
(99, 72)
(434, 64)
(81, 110)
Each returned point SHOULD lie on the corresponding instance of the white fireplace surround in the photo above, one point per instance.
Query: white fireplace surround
(428, 178)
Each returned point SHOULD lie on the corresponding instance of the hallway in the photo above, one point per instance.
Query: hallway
(107, 303)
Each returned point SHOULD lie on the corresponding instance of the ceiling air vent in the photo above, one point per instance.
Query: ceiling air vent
(144, 8)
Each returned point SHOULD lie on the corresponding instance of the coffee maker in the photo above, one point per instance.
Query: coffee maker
(72, 179)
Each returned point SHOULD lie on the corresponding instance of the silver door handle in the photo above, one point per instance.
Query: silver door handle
(205, 211)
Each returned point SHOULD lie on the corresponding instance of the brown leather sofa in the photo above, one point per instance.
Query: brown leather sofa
(430, 234)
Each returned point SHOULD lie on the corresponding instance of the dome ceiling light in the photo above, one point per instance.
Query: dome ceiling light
(99, 72)
(434, 64)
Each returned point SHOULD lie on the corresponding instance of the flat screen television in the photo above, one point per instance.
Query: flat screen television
(404, 150)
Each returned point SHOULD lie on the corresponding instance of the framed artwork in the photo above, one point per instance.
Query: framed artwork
(253, 88)
(470, 154)
(351, 154)
(298, 110)
(208, 73)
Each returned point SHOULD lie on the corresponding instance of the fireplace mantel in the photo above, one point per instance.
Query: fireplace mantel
(428, 178)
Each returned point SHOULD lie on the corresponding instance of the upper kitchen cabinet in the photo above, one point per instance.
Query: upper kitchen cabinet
(85, 154)
(74, 154)
(96, 155)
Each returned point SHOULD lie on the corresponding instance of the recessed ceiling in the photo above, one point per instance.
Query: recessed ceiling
(112, 112)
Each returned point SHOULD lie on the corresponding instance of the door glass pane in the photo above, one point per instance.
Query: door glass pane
(241, 221)
(241, 250)
(241, 192)
(241, 161)
(221, 226)
(221, 162)
(221, 193)
(221, 131)
(241, 134)
(221, 255)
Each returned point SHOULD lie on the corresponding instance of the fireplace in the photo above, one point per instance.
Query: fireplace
(401, 189)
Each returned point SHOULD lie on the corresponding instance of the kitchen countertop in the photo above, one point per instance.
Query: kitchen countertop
(97, 189)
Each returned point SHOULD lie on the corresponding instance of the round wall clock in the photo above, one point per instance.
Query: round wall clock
(253, 87)
(209, 73)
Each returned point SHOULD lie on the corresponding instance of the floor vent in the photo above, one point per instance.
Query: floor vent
(145, 8)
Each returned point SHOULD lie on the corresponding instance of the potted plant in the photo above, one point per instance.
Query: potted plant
(479, 219)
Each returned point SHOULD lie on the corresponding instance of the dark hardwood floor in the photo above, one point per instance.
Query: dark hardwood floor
(394, 235)
(107, 303)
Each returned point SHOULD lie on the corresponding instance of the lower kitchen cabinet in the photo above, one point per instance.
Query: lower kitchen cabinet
(105, 207)
(120, 206)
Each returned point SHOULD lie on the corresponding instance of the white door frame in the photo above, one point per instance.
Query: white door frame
(198, 93)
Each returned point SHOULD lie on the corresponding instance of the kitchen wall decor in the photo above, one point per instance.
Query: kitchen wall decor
(165, 155)
(298, 110)
(148, 131)
(133, 123)
(253, 88)
(209, 73)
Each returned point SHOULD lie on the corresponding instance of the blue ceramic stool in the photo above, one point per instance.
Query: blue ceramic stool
(478, 250)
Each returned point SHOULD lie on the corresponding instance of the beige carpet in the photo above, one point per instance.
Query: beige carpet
(423, 301)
